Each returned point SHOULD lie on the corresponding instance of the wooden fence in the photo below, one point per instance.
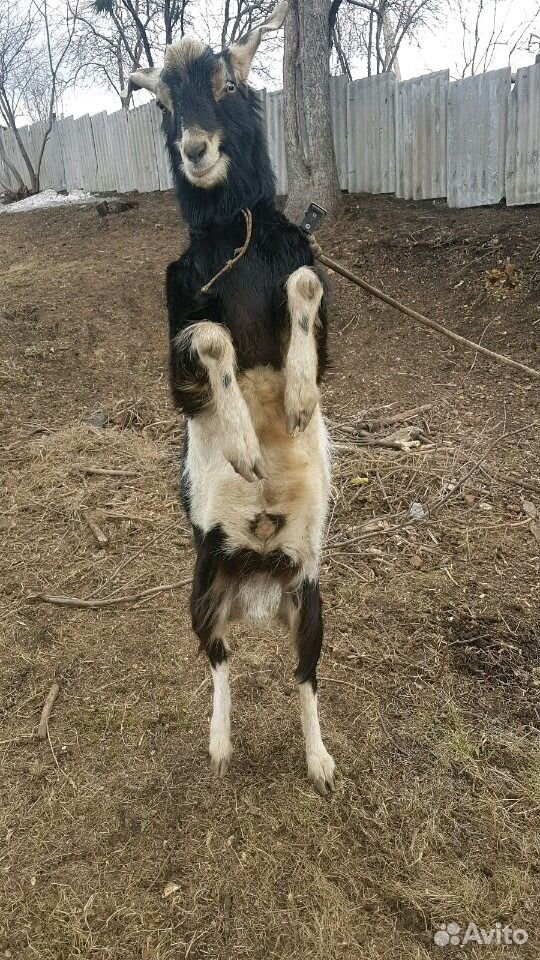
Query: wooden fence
(474, 141)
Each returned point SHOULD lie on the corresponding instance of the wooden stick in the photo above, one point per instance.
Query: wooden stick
(47, 710)
(378, 422)
(518, 482)
(101, 538)
(426, 321)
(98, 471)
(108, 601)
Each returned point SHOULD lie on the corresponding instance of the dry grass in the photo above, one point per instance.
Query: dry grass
(116, 840)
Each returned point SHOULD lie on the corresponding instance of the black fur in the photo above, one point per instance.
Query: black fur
(241, 563)
(309, 635)
(250, 300)
(215, 569)
(205, 598)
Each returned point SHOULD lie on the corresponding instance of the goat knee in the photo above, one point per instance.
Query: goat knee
(209, 342)
(304, 290)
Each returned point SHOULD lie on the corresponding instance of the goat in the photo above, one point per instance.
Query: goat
(246, 360)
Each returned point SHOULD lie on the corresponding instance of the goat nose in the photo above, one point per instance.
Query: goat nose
(196, 151)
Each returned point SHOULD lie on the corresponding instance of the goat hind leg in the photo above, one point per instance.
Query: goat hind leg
(307, 628)
(209, 617)
(304, 294)
(220, 745)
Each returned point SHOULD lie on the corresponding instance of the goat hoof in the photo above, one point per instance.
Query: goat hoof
(300, 404)
(220, 763)
(220, 759)
(321, 771)
(249, 472)
(297, 422)
(246, 459)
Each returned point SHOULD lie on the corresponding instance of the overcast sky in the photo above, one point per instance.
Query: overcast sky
(437, 49)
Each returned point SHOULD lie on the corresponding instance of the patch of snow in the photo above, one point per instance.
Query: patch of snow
(48, 198)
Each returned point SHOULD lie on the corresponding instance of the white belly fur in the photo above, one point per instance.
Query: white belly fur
(297, 484)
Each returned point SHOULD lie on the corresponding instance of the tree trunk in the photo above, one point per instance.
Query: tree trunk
(34, 185)
(311, 163)
(9, 166)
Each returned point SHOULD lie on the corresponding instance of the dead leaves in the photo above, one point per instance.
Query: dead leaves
(503, 280)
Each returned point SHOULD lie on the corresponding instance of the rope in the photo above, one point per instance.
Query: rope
(381, 295)
(238, 253)
(419, 317)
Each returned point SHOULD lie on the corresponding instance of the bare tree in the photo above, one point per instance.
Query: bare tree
(17, 56)
(371, 32)
(58, 41)
(374, 28)
(108, 47)
(34, 46)
(488, 26)
(156, 22)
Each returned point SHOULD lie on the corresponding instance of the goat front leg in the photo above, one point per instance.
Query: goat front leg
(210, 345)
(304, 295)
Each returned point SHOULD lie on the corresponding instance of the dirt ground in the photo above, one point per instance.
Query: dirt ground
(115, 840)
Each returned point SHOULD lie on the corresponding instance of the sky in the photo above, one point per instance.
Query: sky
(436, 49)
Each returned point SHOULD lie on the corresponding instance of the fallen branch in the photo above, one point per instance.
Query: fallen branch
(405, 439)
(518, 482)
(101, 472)
(420, 318)
(378, 422)
(101, 538)
(47, 710)
(108, 601)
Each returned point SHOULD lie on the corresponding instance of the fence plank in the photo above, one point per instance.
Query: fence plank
(52, 174)
(372, 134)
(142, 148)
(523, 150)
(105, 178)
(421, 136)
(338, 104)
(477, 129)
(79, 152)
(162, 157)
(13, 155)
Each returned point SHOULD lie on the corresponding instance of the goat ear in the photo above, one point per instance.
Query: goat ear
(147, 78)
(242, 52)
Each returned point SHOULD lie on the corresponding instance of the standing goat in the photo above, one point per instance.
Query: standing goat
(247, 352)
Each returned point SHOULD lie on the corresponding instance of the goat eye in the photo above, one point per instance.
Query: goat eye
(160, 105)
(230, 86)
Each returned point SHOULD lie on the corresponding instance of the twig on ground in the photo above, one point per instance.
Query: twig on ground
(378, 422)
(102, 472)
(517, 482)
(42, 730)
(476, 465)
(108, 601)
(127, 560)
(347, 683)
(101, 538)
